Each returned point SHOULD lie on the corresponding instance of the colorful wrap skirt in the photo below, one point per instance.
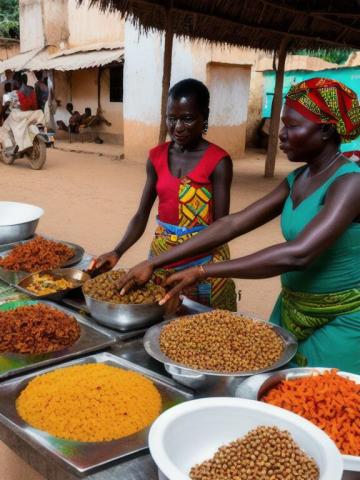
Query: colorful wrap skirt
(213, 292)
(326, 325)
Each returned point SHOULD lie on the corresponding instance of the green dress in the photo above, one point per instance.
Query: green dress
(335, 341)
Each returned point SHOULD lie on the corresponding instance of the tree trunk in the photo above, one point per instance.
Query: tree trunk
(276, 111)
(166, 75)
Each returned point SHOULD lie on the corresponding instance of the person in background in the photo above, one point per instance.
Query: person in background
(26, 95)
(6, 101)
(62, 115)
(90, 120)
(192, 178)
(41, 90)
(319, 204)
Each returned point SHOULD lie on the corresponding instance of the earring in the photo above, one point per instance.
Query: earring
(205, 127)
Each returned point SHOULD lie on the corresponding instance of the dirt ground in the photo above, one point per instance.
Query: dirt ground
(89, 198)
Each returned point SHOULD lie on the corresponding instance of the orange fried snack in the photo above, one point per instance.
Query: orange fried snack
(328, 400)
(36, 255)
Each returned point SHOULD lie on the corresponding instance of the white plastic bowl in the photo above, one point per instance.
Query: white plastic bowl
(190, 433)
(18, 221)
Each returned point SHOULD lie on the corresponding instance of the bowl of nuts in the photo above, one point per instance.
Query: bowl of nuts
(232, 438)
(218, 346)
(139, 308)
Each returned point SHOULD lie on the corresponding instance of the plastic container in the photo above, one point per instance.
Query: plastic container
(190, 433)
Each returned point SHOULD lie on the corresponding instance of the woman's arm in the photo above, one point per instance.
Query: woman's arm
(221, 180)
(220, 232)
(135, 228)
(341, 208)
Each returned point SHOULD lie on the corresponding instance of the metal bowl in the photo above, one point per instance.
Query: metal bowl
(207, 379)
(124, 317)
(77, 276)
(18, 221)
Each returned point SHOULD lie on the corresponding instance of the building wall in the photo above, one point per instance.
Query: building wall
(229, 91)
(91, 26)
(32, 34)
(143, 81)
(65, 24)
(80, 88)
(8, 51)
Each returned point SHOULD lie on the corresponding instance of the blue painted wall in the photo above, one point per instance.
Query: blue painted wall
(350, 76)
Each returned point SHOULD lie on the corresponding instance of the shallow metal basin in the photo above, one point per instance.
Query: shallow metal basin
(124, 317)
(203, 380)
(78, 277)
(18, 221)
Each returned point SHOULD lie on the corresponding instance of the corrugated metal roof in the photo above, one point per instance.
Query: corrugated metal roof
(17, 62)
(77, 61)
(41, 59)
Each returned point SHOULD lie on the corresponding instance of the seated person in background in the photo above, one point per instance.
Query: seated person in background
(89, 120)
(75, 122)
(62, 115)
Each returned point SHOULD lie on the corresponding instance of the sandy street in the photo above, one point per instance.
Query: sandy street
(89, 199)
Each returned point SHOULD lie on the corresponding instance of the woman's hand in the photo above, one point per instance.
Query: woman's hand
(104, 263)
(136, 276)
(182, 279)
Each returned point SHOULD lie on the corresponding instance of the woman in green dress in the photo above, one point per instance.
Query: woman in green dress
(319, 204)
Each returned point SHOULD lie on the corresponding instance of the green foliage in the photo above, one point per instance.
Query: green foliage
(333, 56)
(9, 18)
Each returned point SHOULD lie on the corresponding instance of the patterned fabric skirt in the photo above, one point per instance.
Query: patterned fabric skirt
(213, 292)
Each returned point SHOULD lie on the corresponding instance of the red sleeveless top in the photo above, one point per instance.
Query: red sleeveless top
(186, 201)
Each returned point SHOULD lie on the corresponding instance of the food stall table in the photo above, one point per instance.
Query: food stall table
(139, 467)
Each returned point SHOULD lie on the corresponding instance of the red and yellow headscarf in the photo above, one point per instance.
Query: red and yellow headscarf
(323, 100)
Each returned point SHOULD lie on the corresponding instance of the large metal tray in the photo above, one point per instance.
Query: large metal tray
(83, 458)
(91, 339)
(13, 278)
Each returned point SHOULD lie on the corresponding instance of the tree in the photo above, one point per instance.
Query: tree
(333, 56)
(9, 18)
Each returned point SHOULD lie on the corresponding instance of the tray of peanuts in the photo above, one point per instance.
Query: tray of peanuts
(326, 397)
(87, 412)
(205, 350)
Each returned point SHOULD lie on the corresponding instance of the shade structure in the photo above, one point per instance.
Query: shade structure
(77, 61)
(251, 23)
(67, 60)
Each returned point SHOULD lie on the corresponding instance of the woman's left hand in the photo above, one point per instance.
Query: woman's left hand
(182, 280)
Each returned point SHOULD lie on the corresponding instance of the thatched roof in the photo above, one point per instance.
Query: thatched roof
(259, 24)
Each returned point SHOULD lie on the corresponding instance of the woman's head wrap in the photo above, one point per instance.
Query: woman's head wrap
(323, 100)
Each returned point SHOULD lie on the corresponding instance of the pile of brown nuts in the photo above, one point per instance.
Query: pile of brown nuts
(221, 341)
(105, 287)
(265, 453)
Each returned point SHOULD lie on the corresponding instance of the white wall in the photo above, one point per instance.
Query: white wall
(92, 26)
(31, 25)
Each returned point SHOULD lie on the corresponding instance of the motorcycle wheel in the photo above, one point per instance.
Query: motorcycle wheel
(8, 159)
(38, 154)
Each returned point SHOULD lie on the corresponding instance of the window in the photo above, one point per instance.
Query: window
(116, 83)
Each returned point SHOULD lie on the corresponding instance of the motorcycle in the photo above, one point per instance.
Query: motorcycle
(41, 140)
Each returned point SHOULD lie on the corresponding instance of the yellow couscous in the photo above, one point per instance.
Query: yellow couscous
(89, 403)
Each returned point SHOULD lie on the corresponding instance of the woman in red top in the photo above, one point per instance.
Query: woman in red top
(192, 179)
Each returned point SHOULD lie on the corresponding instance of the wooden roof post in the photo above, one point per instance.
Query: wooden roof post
(168, 48)
(276, 110)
